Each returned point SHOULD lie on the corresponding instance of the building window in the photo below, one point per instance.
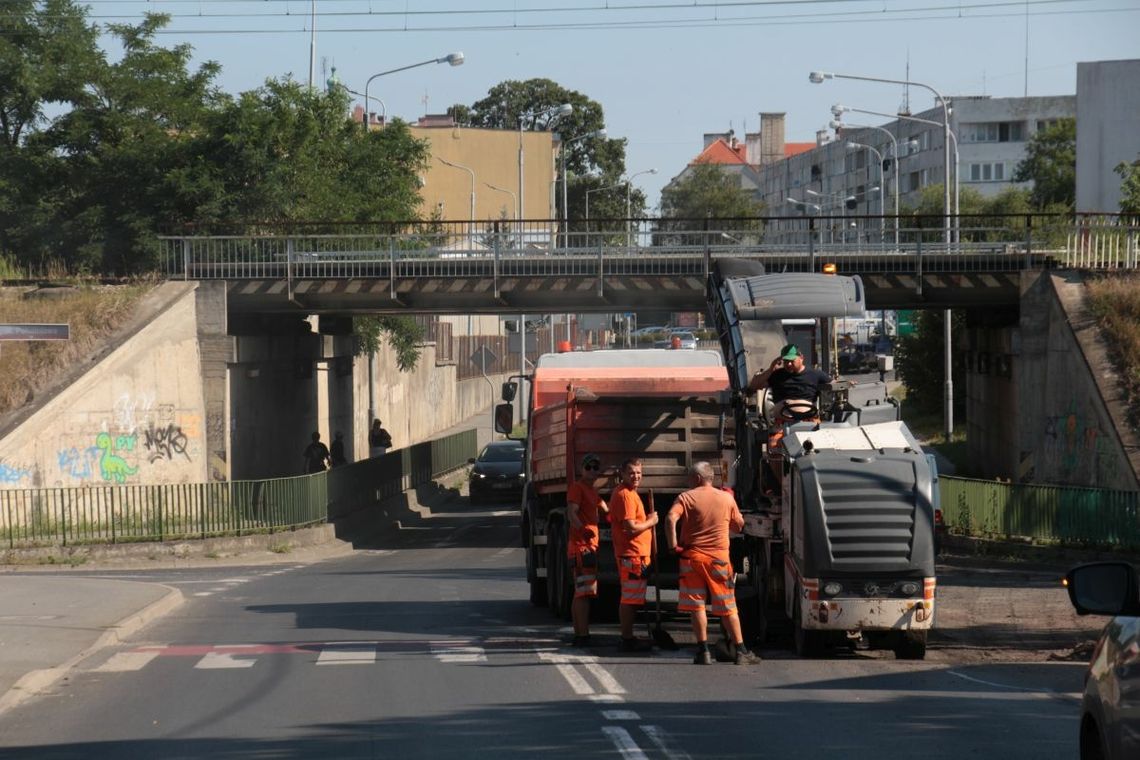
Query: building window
(1043, 124)
(987, 172)
(816, 173)
(912, 182)
(993, 131)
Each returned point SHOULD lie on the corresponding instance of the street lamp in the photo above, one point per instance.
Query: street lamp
(852, 145)
(598, 190)
(471, 224)
(453, 59)
(514, 198)
(817, 77)
(838, 111)
(628, 199)
(555, 112)
(599, 133)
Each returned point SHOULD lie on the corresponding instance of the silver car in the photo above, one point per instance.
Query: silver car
(1110, 709)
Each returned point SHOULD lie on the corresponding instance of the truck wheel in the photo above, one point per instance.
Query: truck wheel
(537, 585)
(910, 645)
(753, 615)
(558, 587)
(808, 643)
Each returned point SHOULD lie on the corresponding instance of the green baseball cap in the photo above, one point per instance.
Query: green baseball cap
(789, 352)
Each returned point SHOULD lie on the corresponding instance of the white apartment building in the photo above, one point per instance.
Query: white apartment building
(991, 133)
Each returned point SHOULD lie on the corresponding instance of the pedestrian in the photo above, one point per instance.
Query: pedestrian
(632, 548)
(379, 440)
(336, 451)
(707, 514)
(316, 455)
(584, 509)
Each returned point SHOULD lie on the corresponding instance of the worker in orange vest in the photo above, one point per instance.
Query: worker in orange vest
(584, 509)
(632, 547)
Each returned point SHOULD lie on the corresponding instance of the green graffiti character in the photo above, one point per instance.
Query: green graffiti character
(112, 466)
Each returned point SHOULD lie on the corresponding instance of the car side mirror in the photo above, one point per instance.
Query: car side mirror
(504, 418)
(1104, 588)
(508, 392)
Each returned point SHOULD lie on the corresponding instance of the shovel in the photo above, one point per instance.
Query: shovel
(661, 637)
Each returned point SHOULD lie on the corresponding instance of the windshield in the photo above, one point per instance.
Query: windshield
(501, 454)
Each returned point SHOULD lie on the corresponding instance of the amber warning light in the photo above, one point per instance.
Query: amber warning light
(830, 269)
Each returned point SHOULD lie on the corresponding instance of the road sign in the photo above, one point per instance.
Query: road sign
(35, 332)
(483, 356)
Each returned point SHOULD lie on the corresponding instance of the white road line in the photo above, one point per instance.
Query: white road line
(1046, 692)
(606, 698)
(218, 661)
(203, 593)
(624, 743)
(608, 682)
(577, 683)
(661, 740)
(459, 654)
(123, 662)
(620, 715)
(347, 655)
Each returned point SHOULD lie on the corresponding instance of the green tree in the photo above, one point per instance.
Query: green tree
(1050, 163)
(405, 336)
(707, 190)
(1129, 186)
(920, 363)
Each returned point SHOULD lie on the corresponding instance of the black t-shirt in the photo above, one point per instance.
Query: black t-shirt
(805, 385)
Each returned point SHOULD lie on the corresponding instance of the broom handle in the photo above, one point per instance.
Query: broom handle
(653, 559)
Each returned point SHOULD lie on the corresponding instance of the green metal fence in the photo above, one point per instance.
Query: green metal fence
(32, 517)
(1053, 514)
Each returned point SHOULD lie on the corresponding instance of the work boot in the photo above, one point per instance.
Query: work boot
(744, 657)
(703, 657)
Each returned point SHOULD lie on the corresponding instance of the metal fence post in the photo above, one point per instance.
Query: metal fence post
(498, 243)
(1028, 240)
(708, 251)
(918, 263)
(811, 243)
(185, 259)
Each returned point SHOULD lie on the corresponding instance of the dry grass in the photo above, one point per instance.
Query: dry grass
(93, 311)
(1115, 302)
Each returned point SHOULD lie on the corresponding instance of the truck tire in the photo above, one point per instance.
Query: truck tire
(537, 585)
(559, 589)
(753, 615)
(910, 645)
(808, 643)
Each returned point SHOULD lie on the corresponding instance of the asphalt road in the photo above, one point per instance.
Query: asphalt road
(425, 646)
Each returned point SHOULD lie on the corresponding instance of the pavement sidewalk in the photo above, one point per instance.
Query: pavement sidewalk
(48, 624)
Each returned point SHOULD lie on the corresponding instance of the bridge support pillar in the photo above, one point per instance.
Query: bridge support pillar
(216, 352)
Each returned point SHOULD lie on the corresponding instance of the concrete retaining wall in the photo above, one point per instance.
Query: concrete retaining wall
(1068, 400)
(137, 416)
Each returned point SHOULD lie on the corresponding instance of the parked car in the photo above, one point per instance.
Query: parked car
(497, 473)
(1110, 708)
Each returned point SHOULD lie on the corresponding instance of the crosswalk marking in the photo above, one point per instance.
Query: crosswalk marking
(123, 662)
(448, 652)
(659, 738)
(624, 743)
(347, 655)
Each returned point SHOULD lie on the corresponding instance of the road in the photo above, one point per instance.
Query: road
(424, 645)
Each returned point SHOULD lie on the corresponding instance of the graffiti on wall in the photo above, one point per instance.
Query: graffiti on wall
(112, 466)
(13, 473)
(1079, 448)
(164, 442)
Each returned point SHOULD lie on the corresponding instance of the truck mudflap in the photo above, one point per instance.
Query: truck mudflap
(866, 614)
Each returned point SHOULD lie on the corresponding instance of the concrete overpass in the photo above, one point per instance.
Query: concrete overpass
(531, 268)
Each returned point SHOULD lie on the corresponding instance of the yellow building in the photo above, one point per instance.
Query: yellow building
(477, 159)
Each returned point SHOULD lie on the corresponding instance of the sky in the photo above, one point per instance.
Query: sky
(664, 71)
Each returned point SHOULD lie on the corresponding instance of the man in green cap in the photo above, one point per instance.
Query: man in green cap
(795, 388)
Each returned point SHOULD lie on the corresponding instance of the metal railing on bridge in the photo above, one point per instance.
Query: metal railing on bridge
(40, 517)
(1051, 514)
(864, 244)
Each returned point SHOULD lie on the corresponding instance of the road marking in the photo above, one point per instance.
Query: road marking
(221, 661)
(124, 662)
(347, 654)
(445, 651)
(606, 698)
(203, 593)
(1044, 692)
(661, 740)
(624, 743)
(620, 715)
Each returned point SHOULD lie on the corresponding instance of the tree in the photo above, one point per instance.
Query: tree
(708, 191)
(920, 363)
(404, 336)
(1129, 186)
(1050, 163)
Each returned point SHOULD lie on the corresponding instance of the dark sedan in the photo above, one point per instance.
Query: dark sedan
(498, 472)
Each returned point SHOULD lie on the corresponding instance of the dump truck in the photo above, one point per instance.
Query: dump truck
(660, 405)
(839, 513)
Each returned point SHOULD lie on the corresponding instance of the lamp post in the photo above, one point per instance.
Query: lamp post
(555, 112)
(453, 59)
(837, 111)
(514, 198)
(851, 145)
(805, 205)
(817, 77)
(833, 200)
(565, 212)
(471, 223)
(953, 142)
(628, 203)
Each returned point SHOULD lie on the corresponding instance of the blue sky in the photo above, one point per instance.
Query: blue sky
(665, 71)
